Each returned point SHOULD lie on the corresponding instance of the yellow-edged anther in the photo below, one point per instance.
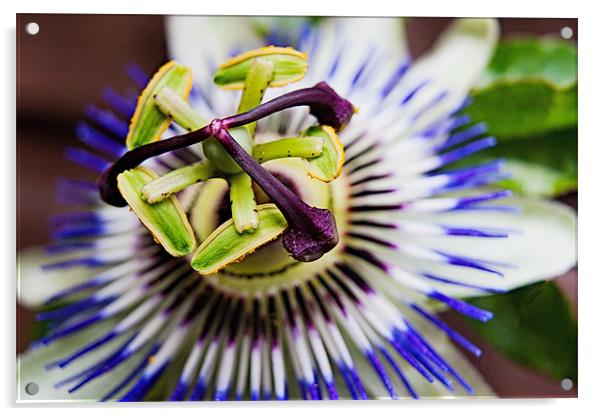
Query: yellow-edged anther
(225, 245)
(290, 66)
(149, 122)
(166, 220)
(329, 165)
(263, 51)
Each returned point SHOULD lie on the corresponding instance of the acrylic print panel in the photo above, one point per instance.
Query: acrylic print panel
(260, 208)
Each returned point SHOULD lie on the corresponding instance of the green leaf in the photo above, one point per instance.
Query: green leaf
(148, 121)
(549, 59)
(289, 66)
(533, 179)
(528, 99)
(225, 245)
(539, 166)
(533, 326)
(530, 87)
(165, 220)
(514, 110)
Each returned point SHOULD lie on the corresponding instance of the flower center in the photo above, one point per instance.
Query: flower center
(270, 265)
(308, 230)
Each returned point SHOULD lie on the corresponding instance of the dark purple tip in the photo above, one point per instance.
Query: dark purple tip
(311, 231)
(309, 243)
(324, 103)
(336, 112)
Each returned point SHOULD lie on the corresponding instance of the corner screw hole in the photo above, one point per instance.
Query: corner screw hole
(32, 389)
(566, 384)
(32, 28)
(566, 32)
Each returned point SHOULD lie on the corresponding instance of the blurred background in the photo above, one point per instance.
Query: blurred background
(72, 57)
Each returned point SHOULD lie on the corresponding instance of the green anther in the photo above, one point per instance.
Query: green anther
(176, 180)
(329, 165)
(242, 203)
(304, 147)
(256, 83)
(165, 220)
(185, 116)
(148, 122)
(225, 245)
(289, 66)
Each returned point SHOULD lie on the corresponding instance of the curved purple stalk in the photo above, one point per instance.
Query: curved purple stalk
(311, 231)
(107, 184)
(324, 103)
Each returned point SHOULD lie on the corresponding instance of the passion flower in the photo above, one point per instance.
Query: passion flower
(129, 321)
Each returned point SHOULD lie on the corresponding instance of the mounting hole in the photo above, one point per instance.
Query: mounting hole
(32, 389)
(566, 384)
(32, 28)
(566, 32)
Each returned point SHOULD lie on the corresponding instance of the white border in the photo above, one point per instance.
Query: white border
(590, 150)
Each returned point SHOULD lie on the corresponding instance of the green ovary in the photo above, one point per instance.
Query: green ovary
(270, 264)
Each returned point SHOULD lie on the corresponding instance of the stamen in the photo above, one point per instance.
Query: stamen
(177, 180)
(324, 103)
(311, 231)
(305, 147)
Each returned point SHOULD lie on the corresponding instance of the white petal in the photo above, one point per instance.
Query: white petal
(30, 368)
(544, 246)
(195, 40)
(456, 61)
(35, 285)
(387, 33)
(421, 386)
(450, 352)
